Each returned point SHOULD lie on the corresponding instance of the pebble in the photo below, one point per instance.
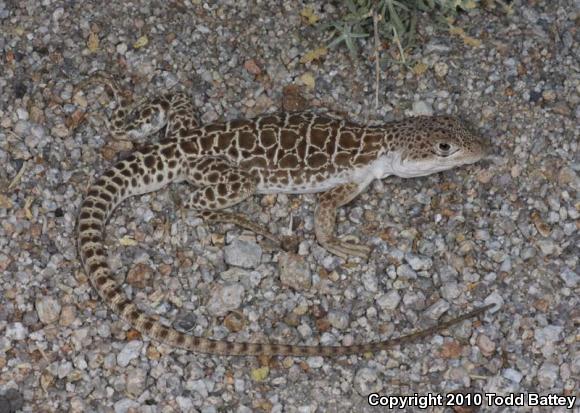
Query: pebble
(11, 401)
(441, 69)
(125, 406)
(64, 369)
(243, 254)
(225, 298)
(184, 403)
(421, 107)
(366, 381)
(419, 263)
(338, 319)
(437, 309)
(370, 282)
(16, 331)
(548, 247)
(548, 375)
(570, 278)
(406, 271)
(494, 298)
(389, 301)
(450, 291)
(512, 375)
(486, 346)
(546, 337)
(315, 362)
(294, 272)
(130, 351)
(67, 315)
(139, 275)
(136, 381)
(48, 309)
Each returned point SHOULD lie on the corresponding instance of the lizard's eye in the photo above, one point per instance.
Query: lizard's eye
(444, 149)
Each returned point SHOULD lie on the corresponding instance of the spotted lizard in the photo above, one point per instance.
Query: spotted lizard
(225, 163)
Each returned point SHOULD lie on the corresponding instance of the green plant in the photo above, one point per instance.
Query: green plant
(393, 20)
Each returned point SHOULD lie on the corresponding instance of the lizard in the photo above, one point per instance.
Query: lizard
(227, 162)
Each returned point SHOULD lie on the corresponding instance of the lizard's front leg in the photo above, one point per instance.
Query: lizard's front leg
(325, 221)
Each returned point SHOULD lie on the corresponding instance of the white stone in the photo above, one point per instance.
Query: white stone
(225, 298)
(243, 253)
(131, 351)
(389, 301)
(16, 331)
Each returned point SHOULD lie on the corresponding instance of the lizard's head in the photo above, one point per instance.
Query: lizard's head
(427, 145)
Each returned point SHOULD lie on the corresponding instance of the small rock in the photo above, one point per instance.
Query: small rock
(405, 271)
(450, 291)
(125, 405)
(252, 67)
(548, 375)
(366, 381)
(484, 176)
(22, 113)
(421, 107)
(293, 99)
(131, 351)
(136, 380)
(16, 331)
(11, 401)
(235, 321)
(48, 309)
(547, 246)
(512, 375)
(185, 404)
(570, 278)
(451, 350)
(243, 253)
(370, 282)
(441, 69)
(549, 95)
(138, 275)
(546, 337)
(315, 362)
(294, 272)
(527, 253)
(486, 346)
(566, 175)
(389, 301)
(67, 315)
(494, 298)
(122, 48)
(21, 128)
(225, 298)
(60, 131)
(338, 319)
(436, 310)
(64, 369)
(419, 263)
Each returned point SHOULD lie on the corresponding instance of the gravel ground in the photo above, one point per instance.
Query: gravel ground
(504, 230)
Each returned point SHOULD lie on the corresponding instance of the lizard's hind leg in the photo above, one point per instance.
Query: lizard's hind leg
(134, 121)
(219, 185)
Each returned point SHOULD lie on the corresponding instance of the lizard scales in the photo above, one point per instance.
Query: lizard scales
(227, 162)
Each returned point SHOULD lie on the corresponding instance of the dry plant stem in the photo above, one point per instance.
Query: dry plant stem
(376, 19)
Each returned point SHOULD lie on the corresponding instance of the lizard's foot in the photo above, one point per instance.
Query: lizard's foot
(344, 249)
(288, 243)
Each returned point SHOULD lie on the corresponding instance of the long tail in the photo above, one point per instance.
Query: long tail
(129, 177)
